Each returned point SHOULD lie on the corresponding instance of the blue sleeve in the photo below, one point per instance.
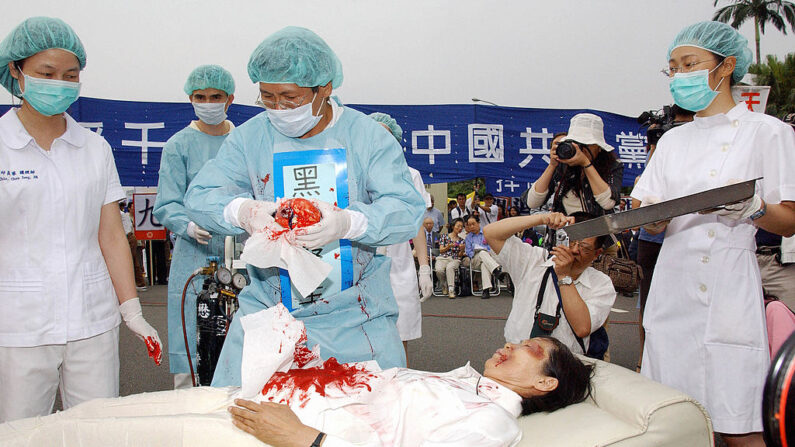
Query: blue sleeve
(219, 181)
(171, 186)
(469, 249)
(395, 209)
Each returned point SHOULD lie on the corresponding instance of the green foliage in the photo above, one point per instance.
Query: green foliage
(776, 12)
(465, 187)
(780, 76)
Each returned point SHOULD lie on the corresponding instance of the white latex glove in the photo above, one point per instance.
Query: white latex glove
(654, 227)
(131, 313)
(201, 235)
(334, 225)
(740, 210)
(255, 215)
(426, 283)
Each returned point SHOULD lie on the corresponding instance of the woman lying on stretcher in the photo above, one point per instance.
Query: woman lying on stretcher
(409, 407)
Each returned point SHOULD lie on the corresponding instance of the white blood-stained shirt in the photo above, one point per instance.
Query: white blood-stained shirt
(526, 265)
(54, 284)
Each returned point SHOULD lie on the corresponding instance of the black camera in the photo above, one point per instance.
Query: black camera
(566, 149)
(663, 120)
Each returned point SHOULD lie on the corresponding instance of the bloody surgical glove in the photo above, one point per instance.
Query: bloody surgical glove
(201, 235)
(426, 283)
(256, 215)
(334, 225)
(131, 313)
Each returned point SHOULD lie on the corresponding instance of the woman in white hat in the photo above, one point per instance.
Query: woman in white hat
(586, 179)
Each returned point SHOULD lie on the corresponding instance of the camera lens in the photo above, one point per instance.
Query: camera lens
(566, 150)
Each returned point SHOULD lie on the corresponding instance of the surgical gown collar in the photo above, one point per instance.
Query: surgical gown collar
(722, 118)
(16, 137)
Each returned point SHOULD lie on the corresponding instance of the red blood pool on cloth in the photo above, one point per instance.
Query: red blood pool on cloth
(297, 213)
(154, 350)
(320, 378)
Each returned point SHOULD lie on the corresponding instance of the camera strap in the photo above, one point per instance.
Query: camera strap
(544, 324)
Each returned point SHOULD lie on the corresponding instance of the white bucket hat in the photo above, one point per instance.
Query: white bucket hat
(587, 128)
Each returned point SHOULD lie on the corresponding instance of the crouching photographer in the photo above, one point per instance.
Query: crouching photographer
(583, 173)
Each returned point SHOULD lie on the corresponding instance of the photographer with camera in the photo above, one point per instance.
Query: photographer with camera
(583, 174)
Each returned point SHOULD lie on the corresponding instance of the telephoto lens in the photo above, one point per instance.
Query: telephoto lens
(566, 150)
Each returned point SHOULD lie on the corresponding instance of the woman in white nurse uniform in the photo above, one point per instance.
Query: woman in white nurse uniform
(63, 252)
(704, 320)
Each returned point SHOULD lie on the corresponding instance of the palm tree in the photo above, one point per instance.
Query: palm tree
(762, 11)
(780, 76)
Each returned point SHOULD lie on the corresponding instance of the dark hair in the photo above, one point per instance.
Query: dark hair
(451, 202)
(473, 216)
(488, 196)
(518, 212)
(572, 176)
(582, 216)
(560, 134)
(460, 194)
(574, 381)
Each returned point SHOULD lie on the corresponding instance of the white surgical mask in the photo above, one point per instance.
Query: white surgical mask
(211, 113)
(295, 122)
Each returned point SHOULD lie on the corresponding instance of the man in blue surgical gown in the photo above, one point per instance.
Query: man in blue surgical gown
(307, 144)
(210, 89)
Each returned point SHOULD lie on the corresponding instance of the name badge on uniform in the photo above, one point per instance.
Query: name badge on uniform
(321, 175)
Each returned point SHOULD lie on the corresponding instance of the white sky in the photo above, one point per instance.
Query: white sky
(603, 55)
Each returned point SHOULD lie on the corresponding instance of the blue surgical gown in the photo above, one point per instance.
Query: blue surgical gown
(358, 323)
(183, 156)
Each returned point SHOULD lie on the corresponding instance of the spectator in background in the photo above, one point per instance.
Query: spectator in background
(451, 250)
(489, 212)
(435, 215)
(431, 237)
(480, 255)
(127, 223)
(501, 212)
(450, 207)
(460, 210)
(513, 211)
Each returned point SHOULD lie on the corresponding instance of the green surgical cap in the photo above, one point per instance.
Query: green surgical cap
(32, 36)
(718, 38)
(295, 55)
(209, 76)
(390, 122)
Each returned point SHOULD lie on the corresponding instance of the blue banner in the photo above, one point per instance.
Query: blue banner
(508, 146)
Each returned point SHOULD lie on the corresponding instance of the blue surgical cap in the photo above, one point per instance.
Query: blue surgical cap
(718, 38)
(390, 122)
(209, 76)
(295, 55)
(32, 36)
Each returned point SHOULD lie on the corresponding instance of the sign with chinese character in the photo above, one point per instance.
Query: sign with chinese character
(321, 175)
(147, 227)
(754, 96)
(508, 146)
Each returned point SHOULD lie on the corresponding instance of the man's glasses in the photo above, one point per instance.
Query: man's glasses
(584, 248)
(284, 103)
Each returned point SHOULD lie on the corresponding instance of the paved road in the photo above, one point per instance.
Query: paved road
(454, 332)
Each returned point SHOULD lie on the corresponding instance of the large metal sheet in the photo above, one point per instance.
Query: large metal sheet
(705, 200)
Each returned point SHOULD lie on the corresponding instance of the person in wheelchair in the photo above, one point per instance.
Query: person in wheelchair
(585, 295)
(480, 255)
(451, 250)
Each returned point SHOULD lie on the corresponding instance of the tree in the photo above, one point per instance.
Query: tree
(780, 76)
(762, 11)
